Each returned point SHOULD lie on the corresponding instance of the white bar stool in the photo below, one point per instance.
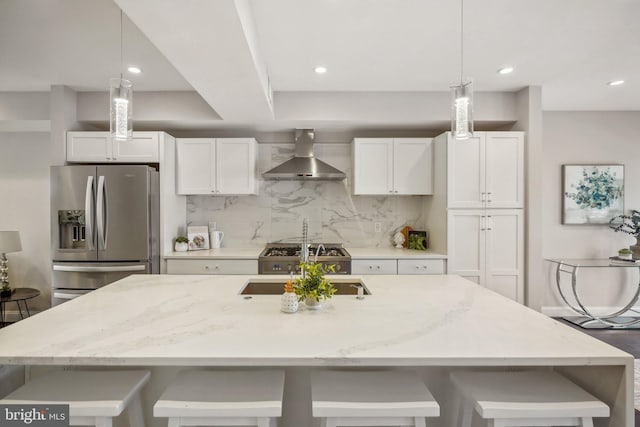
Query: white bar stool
(527, 398)
(223, 398)
(94, 397)
(371, 398)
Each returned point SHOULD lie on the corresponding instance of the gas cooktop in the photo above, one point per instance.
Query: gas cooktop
(283, 258)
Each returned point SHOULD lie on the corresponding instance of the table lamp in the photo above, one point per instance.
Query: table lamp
(9, 242)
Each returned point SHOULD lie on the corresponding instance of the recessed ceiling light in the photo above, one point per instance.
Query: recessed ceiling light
(134, 70)
(320, 70)
(616, 83)
(505, 70)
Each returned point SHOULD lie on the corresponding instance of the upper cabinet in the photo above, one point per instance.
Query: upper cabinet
(99, 147)
(216, 166)
(485, 171)
(383, 166)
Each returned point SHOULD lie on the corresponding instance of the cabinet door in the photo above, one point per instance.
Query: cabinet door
(212, 266)
(194, 165)
(89, 147)
(373, 166)
(505, 252)
(466, 172)
(143, 148)
(412, 166)
(235, 166)
(504, 169)
(421, 266)
(465, 244)
(374, 266)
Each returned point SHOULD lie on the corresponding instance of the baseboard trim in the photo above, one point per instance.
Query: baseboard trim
(562, 311)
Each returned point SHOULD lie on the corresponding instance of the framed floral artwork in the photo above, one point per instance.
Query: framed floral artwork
(592, 194)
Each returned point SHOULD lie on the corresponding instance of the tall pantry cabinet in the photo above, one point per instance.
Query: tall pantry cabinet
(477, 211)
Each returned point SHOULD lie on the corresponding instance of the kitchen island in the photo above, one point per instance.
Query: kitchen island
(429, 323)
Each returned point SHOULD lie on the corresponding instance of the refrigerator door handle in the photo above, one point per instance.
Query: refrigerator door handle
(88, 212)
(105, 269)
(101, 214)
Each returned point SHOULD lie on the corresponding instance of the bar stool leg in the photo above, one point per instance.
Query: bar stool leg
(134, 412)
(174, 422)
(104, 422)
(587, 422)
(420, 422)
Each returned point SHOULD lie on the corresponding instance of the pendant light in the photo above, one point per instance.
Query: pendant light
(462, 95)
(121, 103)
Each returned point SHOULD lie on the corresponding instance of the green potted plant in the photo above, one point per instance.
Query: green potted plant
(628, 224)
(625, 253)
(182, 244)
(312, 287)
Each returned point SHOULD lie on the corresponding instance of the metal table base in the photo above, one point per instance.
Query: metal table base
(587, 319)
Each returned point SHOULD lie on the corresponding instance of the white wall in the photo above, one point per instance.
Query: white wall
(24, 198)
(591, 138)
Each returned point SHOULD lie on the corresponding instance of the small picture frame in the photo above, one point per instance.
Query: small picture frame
(198, 237)
(592, 194)
(418, 240)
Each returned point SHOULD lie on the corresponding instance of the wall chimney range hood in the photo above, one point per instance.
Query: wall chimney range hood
(304, 165)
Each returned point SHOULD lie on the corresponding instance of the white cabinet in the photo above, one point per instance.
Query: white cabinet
(212, 266)
(400, 166)
(374, 266)
(99, 147)
(479, 200)
(486, 171)
(421, 266)
(216, 166)
(487, 247)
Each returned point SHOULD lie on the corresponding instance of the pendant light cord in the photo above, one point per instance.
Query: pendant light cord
(121, 55)
(461, 39)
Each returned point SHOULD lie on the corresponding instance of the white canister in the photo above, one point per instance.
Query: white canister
(289, 302)
(216, 239)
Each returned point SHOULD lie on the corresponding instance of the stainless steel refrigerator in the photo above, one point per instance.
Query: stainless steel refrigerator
(104, 226)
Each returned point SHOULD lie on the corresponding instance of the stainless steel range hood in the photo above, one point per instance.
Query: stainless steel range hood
(304, 165)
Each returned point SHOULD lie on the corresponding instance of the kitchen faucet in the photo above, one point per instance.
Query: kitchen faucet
(304, 250)
(318, 251)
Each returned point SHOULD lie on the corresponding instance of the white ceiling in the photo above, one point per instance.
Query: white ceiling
(226, 50)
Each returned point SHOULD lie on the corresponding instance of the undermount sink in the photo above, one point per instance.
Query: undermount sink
(275, 286)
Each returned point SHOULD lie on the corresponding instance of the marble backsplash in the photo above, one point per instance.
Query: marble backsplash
(334, 214)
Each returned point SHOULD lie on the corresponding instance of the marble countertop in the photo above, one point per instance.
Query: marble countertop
(391, 253)
(440, 320)
(220, 253)
(356, 253)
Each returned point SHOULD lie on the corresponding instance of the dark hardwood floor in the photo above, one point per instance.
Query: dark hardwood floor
(625, 339)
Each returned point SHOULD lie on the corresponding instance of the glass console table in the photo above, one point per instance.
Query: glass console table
(586, 318)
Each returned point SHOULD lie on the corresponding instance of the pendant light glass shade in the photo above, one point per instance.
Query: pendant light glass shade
(121, 107)
(121, 102)
(462, 111)
(462, 95)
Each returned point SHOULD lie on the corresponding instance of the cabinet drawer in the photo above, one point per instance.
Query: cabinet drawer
(212, 266)
(374, 266)
(420, 266)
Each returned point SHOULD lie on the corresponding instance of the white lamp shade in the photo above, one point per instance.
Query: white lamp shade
(10, 241)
